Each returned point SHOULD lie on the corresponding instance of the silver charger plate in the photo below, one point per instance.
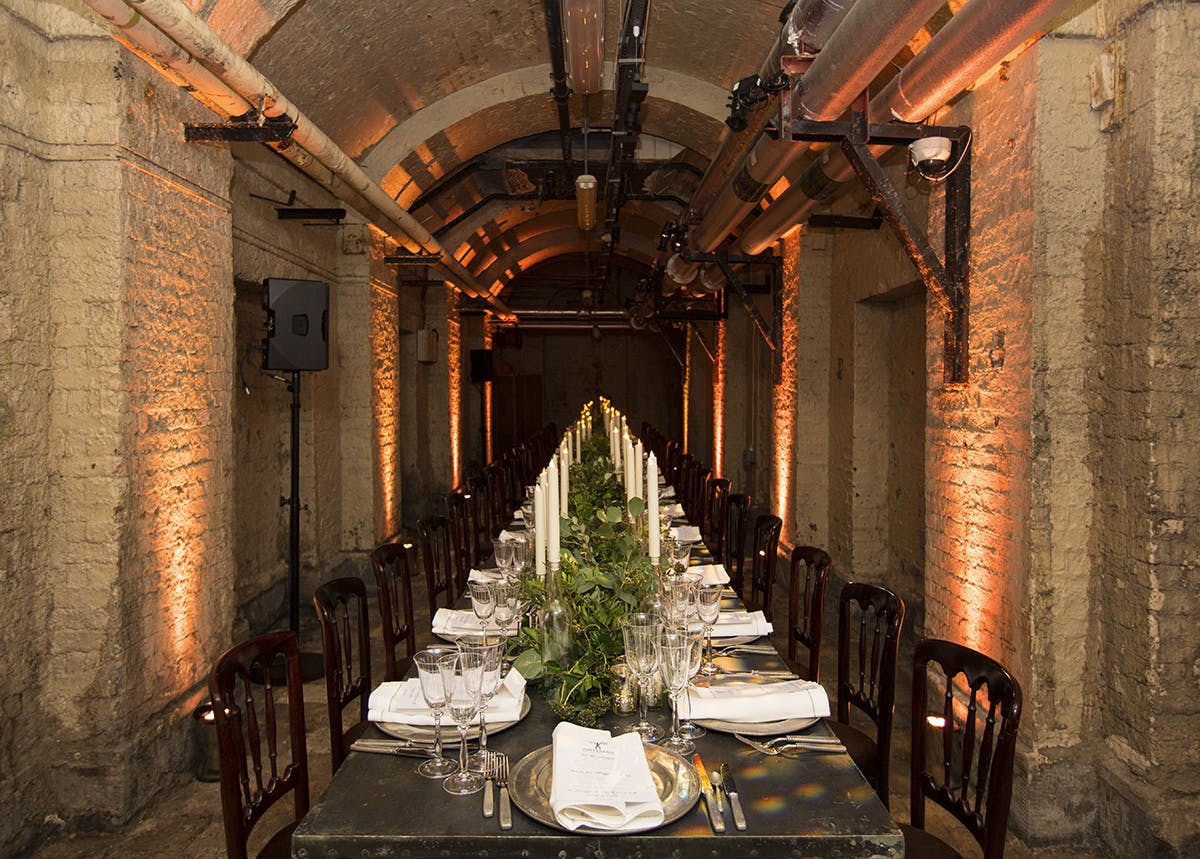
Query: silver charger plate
(424, 733)
(675, 779)
(758, 729)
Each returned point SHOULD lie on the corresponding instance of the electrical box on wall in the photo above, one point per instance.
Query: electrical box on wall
(427, 345)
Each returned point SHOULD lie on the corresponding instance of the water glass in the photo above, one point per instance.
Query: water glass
(433, 689)
(462, 675)
(708, 609)
(483, 601)
(674, 646)
(502, 555)
(490, 648)
(639, 630)
(688, 728)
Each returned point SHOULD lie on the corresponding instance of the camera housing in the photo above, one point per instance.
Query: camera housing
(930, 155)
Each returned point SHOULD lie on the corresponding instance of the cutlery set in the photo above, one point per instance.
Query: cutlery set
(715, 790)
(793, 743)
(496, 772)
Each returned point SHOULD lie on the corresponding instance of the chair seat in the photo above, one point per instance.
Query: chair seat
(860, 747)
(919, 844)
(280, 845)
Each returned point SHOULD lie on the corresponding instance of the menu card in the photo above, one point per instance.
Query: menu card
(402, 702)
(601, 781)
(759, 702)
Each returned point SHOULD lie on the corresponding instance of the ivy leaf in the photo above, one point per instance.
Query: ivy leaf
(529, 663)
(637, 507)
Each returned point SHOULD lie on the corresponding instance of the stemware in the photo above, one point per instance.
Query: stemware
(674, 646)
(639, 630)
(483, 601)
(520, 555)
(462, 674)
(680, 553)
(708, 609)
(688, 728)
(490, 648)
(502, 555)
(433, 690)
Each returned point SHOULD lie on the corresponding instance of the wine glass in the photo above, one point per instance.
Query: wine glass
(462, 674)
(489, 647)
(520, 555)
(502, 555)
(483, 601)
(688, 728)
(680, 553)
(674, 646)
(433, 689)
(708, 609)
(639, 630)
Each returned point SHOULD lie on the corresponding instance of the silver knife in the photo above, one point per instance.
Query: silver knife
(710, 802)
(735, 802)
(391, 747)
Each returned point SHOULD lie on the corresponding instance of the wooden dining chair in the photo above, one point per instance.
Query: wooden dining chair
(699, 503)
(462, 541)
(341, 606)
(870, 618)
(477, 492)
(973, 743)
(393, 578)
(806, 606)
(437, 559)
(717, 518)
(762, 561)
(497, 493)
(735, 540)
(263, 758)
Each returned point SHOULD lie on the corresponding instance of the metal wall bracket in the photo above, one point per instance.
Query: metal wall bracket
(772, 332)
(252, 131)
(334, 215)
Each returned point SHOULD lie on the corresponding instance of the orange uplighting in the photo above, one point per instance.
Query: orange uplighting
(687, 386)
(385, 404)
(783, 394)
(487, 405)
(454, 385)
(936, 721)
(718, 430)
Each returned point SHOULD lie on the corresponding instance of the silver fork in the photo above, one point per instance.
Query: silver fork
(489, 772)
(502, 783)
(804, 745)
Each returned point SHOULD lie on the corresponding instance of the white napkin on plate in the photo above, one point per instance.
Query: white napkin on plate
(601, 781)
(714, 574)
(475, 575)
(509, 535)
(738, 623)
(759, 702)
(686, 533)
(673, 509)
(450, 623)
(401, 701)
(666, 491)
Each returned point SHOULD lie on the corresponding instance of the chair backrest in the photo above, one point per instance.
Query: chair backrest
(717, 520)
(341, 606)
(480, 518)
(735, 540)
(870, 618)
(393, 577)
(762, 561)
(462, 540)
(497, 493)
(806, 605)
(975, 746)
(699, 501)
(256, 772)
(438, 561)
(671, 464)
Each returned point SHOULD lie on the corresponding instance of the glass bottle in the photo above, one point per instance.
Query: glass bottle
(555, 621)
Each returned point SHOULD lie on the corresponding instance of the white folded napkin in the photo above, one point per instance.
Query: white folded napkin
(674, 508)
(601, 781)
(738, 623)
(714, 574)
(509, 535)
(401, 701)
(759, 702)
(483, 575)
(686, 533)
(449, 622)
(666, 491)
(519, 514)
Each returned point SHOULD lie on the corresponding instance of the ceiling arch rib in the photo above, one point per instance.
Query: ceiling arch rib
(558, 242)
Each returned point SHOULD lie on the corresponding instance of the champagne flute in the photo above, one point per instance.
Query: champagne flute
(433, 689)
(688, 728)
(639, 630)
(463, 676)
(489, 648)
(674, 646)
(483, 601)
(708, 608)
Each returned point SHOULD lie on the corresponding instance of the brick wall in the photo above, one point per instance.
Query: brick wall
(385, 396)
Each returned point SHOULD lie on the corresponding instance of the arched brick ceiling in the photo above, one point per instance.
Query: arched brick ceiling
(415, 90)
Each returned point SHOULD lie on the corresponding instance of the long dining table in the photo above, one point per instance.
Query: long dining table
(808, 804)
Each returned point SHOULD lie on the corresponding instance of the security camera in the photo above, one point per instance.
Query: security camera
(930, 155)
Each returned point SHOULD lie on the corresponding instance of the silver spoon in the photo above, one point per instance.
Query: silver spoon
(715, 778)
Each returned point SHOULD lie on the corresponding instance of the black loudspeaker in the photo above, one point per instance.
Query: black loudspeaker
(481, 365)
(297, 324)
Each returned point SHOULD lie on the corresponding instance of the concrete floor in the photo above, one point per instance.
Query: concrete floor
(186, 822)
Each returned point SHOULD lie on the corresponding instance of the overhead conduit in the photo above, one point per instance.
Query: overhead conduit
(169, 32)
(978, 37)
(808, 27)
(869, 37)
